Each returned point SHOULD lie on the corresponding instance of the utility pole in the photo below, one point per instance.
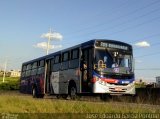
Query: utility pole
(51, 36)
(4, 72)
(48, 43)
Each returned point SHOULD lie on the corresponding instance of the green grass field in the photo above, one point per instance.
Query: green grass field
(14, 102)
(7, 79)
(10, 83)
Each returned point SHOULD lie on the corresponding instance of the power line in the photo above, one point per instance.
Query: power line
(148, 69)
(136, 17)
(113, 11)
(125, 22)
(130, 13)
(135, 26)
(155, 53)
(146, 37)
(133, 41)
(116, 9)
(155, 44)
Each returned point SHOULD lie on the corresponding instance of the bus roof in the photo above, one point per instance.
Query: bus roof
(82, 45)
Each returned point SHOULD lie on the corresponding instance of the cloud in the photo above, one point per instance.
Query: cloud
(43, 45)
(53, 36)
(142, 44)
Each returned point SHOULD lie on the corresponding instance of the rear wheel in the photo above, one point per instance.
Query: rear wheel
(64, 96)
(41, 96)
(34, 92)
(58, 96)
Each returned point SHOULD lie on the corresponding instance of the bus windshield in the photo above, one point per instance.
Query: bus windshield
(113, 61)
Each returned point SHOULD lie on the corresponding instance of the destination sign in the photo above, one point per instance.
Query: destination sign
(113, 45)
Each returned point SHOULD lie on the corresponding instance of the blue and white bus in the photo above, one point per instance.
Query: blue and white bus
(94, 67)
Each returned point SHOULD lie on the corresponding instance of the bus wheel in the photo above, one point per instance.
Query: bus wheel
(58, 96)
(41, 96)
(73, 92)
(105, 97)
(34, 92)
(64, 96)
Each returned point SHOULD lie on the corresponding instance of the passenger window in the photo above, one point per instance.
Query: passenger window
(41, 70)
(41, 64)
(28, 72)
(23, 74)
(75, 54)
(74, 63)
(23, 71)
(34, 66)
(57, 59)
(29, 66)
(24, 68)
(65, 56)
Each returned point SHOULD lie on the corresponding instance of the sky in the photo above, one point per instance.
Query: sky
(24, 22)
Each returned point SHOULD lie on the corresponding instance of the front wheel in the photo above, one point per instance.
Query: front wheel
(105, 97)
(72, 92)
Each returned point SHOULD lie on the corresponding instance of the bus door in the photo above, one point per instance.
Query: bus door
(48, 75)
(86, 69)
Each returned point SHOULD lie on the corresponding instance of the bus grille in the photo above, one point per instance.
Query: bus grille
(115, 90)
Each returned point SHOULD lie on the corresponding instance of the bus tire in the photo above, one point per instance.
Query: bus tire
(73, 92)
(64, 96)
(58, 96)
(105, 97)
(41, 96)
(34, 92)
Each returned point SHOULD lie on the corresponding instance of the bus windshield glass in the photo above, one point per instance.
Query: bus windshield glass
(113, 61)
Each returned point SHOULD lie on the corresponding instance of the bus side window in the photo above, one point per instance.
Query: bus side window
(34, 68)
(74, 62)
(41, 63)
(28, 72)
(23, 71)
(57, 59)
(57, 63)
(41, 67)
(65, 59)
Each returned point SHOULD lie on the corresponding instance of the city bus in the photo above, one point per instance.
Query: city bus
(100, 66)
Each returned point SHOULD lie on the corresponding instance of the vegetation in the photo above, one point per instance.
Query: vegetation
(11, 83)
(140, 85)
(13, 102)
(24, 106)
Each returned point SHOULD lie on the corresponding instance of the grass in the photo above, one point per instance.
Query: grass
(10, 83)
(14, 102)
(17, 103)
(7, 79)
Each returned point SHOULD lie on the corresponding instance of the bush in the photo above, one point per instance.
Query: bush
(140, 85)
(11, 85)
